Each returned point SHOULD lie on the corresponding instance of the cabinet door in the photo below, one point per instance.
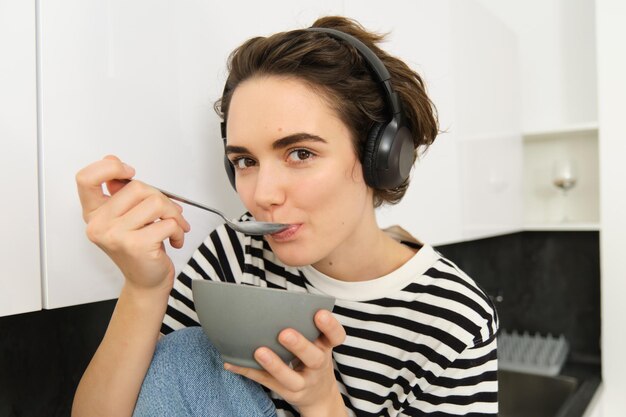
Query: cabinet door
(420, 33)
(594, 409)
(20, 282)
(491, 184)
(138, 79)
(468, 60)
(556, 40)
(488, 121)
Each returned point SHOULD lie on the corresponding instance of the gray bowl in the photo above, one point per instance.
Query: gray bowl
(239, 318)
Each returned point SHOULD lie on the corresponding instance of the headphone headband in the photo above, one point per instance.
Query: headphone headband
(374, 63)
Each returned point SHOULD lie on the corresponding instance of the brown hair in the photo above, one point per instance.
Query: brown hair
(341, 75)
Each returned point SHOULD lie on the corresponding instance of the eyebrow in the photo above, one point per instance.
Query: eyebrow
(280, 143)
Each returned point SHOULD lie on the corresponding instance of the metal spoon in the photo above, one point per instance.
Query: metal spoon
(249, 227)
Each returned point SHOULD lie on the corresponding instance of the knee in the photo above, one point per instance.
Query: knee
(187, 373)
(181, 357)
(186, 344)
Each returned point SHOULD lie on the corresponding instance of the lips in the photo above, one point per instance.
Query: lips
(286, 234)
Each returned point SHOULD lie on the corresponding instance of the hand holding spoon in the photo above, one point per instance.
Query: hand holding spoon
(249, 227)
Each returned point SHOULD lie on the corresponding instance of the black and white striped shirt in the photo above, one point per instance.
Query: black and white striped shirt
(420, 341)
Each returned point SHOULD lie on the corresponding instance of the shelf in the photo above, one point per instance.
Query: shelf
(543, 205)
(581, 130)
(562, 227)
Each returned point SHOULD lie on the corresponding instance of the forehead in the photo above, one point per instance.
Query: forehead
(271, 104)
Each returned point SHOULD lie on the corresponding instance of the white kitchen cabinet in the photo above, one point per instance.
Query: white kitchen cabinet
(556, 40)
(468, 185)
(20, 285)
(611, 32)
(488, 120)
(137, 79)
(491, 186)
(420, 33)
(594, 409)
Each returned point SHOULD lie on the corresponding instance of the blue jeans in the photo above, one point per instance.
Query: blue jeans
(187, 378)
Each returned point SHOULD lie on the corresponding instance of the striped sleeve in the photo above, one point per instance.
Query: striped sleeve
(468, 384)
(468, 387)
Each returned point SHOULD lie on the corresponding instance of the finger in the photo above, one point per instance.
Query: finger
(308, 353)
(258, 376)
(177, 240)
(89, 181)
(135, 194)
(158, 231)
(115, 185)
(279, 370)
(154, 207)
(276, 374)
(127, 197)
(178, 206)
(333, 333)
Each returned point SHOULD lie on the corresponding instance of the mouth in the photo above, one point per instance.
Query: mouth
(286, 234)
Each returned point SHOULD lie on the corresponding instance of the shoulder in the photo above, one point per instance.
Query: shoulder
(472, 307)
(451, 286)
(464, 308)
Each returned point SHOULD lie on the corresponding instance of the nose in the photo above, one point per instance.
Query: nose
(269, 191)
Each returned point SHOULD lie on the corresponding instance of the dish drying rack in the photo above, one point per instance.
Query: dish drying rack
(536, 354)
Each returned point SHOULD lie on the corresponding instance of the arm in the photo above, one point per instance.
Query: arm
(111, 383)
(129, 226)
(468, 386)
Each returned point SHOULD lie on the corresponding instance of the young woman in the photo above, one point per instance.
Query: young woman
(316, 137)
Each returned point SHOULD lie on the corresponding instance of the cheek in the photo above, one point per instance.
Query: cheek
(337, 191)
(245, 191)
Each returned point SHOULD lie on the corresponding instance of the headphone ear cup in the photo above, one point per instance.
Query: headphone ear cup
(370, 151)
(230, 169)
(230, 172)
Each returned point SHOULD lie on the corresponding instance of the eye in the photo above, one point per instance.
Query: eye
(300, 155)
(243, 163)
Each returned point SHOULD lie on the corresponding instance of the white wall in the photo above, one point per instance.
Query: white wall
(611, 36)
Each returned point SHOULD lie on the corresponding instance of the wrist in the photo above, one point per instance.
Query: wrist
(148, 297)
(139, 312)
(333, 406)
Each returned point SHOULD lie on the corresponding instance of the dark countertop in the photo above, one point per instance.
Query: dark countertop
(588, 373)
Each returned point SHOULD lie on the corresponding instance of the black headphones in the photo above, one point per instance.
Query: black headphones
(388, 151)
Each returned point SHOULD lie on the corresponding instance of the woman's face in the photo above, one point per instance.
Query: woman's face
(295, 163)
